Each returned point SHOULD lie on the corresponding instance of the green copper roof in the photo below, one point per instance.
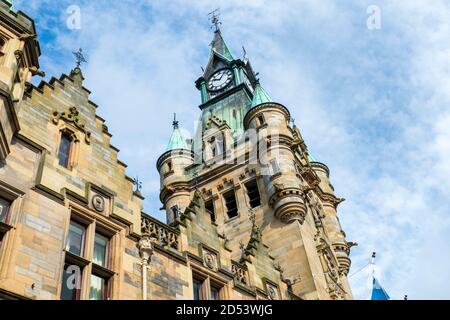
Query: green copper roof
(219, 46)
(311, 158)
(260, 96)
(177, 140)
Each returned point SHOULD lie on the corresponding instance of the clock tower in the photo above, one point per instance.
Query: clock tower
(250, 166)
(226, 86)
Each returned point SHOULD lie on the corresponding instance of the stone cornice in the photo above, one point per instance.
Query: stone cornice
(170, 153)
(321, 166)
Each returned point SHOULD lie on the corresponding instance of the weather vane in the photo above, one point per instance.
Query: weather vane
(138, 184)
(215, 18)
(79, 57)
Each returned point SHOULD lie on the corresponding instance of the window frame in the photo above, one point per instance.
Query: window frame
(94, 226)
(227, 211)
(107, 250)
(3, 42)
(77, 290)
(6, 217)
(207, 284)
(212, 213)
(65, 134)
(253, 182)
(83, 239)
(106, 286)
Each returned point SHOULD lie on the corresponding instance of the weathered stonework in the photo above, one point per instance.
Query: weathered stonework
(287, 246)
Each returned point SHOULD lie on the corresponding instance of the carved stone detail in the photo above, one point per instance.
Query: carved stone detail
(163, 234)
(98, 202)
(145, 247)
(73, 117)
(240, 274)
(210, 260)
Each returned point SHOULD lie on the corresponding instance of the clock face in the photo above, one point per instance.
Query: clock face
(220, 80)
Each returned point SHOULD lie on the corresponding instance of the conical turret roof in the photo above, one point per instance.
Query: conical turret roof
(177, 140)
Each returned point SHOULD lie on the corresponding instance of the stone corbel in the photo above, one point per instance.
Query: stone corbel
(27, 37)
(145, 247)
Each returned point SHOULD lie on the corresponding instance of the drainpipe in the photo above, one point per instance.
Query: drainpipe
(145, 247)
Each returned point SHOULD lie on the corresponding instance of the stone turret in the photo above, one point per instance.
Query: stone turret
(330, 220)
(175, 192)
(269, 121)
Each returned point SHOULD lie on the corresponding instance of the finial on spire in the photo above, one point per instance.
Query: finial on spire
(214, 17)
(79, 57)
(293, 122)
(175, 121)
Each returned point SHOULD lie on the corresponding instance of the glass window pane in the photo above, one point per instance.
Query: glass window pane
(4, 209)
(98, 288)
(64, 150)
(71, 283)
(101, 250)
(75, 240)
(214, 294)
(198, 290)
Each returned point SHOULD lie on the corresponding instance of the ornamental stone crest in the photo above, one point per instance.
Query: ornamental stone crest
(73, 117)
(210, 261)
(98, 203)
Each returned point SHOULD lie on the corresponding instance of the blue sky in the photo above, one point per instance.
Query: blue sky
(374, 105)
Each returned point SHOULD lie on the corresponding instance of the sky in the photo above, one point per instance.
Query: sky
(373, 104)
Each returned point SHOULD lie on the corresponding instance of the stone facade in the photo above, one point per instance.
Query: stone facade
(59, 172)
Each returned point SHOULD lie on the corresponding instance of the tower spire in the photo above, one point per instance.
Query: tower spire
(218, 45)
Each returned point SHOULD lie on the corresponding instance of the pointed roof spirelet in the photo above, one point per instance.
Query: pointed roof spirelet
(177, 140)
(11, 3)
(260, 96)
(311, 158)
(219, 46)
